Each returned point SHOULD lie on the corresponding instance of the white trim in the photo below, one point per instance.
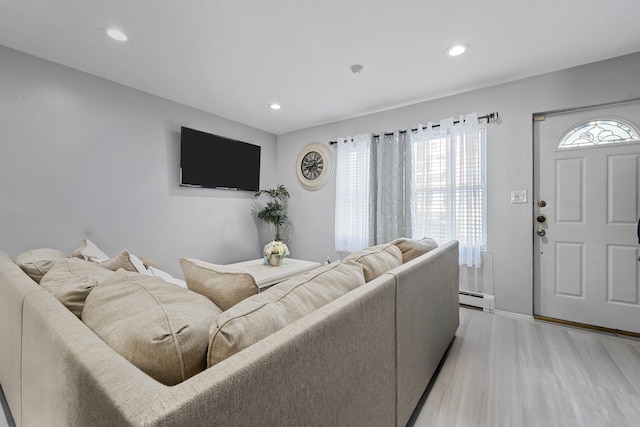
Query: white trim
(514, 315)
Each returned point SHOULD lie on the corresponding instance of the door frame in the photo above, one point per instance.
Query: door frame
(535, 294)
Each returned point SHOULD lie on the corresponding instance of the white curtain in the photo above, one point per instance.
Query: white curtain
(470, 186)
(449, 197)
(392, 160)
(353, 196)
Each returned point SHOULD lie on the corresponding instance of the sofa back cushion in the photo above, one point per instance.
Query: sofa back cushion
(225, 286)
(377, 260)
(36, 262)
(261, 315)
(159, 327)
(412, 248)
(71, 279)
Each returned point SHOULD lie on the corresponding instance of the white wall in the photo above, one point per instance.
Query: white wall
(82, 157)
(510, 161)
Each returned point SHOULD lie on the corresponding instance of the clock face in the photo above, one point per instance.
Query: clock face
(312, 165)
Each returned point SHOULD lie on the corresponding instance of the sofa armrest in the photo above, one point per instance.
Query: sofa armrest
(335, 366)
(426, 321)
(15, 285)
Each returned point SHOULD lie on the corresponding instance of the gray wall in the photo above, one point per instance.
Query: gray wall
(82, 157)
(510, 161)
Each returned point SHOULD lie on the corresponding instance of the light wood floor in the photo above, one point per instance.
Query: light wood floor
(507, 371)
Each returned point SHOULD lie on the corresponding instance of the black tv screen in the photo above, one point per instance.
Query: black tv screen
(213, 161)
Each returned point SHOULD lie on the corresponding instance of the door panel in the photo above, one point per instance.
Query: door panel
(623, 189)
(569, 190)
(585, 265)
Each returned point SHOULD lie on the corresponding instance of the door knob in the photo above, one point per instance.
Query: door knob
(541, 218)
(540, 232)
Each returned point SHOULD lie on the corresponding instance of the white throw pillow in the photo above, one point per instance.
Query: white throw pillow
(129, 262)
(152, 271)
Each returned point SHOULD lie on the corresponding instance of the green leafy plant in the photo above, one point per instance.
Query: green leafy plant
(276, 210)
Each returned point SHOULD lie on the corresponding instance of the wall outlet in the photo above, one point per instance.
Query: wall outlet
(518, 196)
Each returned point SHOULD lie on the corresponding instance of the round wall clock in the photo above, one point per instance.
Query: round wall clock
(314, 166)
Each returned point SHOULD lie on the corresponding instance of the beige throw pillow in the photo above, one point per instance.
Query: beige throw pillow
(89, 251)
(261, 315)
(412, 249)
(123, 260)
(160, 328)
(70, 280)
(377, 260)
(36, 262)
(225, 286)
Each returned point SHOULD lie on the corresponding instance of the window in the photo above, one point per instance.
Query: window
(444, 188)
(449, 182)
(599, 132)
(352, 193)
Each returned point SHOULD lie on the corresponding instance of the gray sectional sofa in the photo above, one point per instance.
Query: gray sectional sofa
(363, 359)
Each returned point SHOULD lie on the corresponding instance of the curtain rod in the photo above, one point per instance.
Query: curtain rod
(488, 117)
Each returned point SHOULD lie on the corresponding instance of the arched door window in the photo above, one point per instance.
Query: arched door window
(599, 132)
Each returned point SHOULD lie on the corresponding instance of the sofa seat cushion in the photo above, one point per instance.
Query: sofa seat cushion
(36, 262)
(71, 280)
(261, 315)
(225, 286)
(412, 248)
(159, 327)
(377, 260)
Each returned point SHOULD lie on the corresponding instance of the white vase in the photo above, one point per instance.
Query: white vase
(275, 260)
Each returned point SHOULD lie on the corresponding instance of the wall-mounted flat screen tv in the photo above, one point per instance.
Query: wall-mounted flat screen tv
(213, 161)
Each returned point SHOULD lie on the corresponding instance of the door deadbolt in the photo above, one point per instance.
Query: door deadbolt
(541, 218)
(542, 203)
(540, 232)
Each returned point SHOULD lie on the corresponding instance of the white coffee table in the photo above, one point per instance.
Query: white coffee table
(267, 275)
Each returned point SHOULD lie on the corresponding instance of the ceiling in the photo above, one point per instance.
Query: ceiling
(233, 58)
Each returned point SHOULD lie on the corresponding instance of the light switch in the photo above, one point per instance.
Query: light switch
(518, 196)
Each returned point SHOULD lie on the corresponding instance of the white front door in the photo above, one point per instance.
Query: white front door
(586, 208)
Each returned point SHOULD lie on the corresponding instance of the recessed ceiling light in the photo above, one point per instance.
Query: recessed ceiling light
(457, 49)
(117, 34)
(275, 106)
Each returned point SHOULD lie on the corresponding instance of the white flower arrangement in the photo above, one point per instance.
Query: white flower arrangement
(276, 248)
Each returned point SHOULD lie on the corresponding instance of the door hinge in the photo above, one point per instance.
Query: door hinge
(538, 118)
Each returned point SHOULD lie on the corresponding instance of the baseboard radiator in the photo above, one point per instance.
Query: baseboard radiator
(478, 300)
